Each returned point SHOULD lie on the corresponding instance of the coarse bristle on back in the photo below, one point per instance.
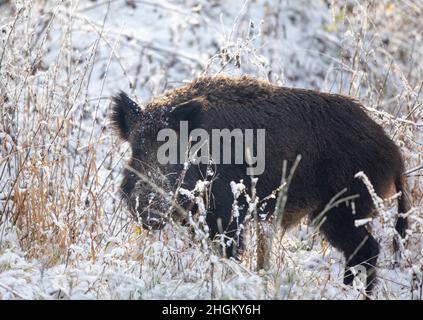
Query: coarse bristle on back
(125, 113)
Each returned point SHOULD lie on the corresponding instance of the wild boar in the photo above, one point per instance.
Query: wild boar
(333, 134)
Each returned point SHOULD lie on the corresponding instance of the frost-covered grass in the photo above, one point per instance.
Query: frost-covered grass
(63, 230)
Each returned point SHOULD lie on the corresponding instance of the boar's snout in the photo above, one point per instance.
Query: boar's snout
(152, 221)
(149, 207)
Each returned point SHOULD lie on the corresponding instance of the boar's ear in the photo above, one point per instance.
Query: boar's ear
(125, 113)
(188, 111)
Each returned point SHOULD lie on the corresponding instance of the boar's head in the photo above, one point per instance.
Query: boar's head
(147, 185)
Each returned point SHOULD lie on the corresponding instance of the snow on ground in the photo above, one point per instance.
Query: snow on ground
(64, 233)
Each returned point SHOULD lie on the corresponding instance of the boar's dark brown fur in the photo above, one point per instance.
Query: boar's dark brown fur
(332, 133)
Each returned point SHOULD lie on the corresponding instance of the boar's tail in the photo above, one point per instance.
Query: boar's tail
(403, 206)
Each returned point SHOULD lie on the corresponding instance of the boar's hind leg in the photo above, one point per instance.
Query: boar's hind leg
(357, 244)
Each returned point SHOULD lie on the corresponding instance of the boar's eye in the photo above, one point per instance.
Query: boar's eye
(125, 113)
(188, 111)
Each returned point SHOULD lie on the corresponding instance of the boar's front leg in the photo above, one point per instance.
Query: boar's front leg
(225, 230)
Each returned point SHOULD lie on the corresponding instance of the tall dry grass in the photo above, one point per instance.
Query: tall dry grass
(60, 164)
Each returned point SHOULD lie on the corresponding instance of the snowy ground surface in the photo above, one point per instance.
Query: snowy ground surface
(64, 233)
